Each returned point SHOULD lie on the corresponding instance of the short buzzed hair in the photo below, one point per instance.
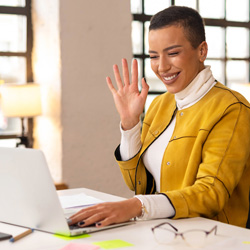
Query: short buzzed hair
(181, 16)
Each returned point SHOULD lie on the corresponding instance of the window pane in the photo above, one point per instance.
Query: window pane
(14, 29)
(152, 7)
(234, 48)
(9, 143)
(212, 8)
(137, 37)
(135, 6)
(15, 3)
(237, 72)
(9, 125)
(153, 81)
(237, 10)
(146, 29)
(217, 68)
(243, 88)
(190, 3)
(139, 72)
(14, 70)
(216, 47)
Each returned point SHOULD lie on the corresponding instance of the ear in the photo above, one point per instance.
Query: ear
(203, 48)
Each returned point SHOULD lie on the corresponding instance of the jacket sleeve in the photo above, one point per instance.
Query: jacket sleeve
(225, 154)
(128, 168)
(135, 175)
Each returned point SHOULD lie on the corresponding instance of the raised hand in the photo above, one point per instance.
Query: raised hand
(128, 100)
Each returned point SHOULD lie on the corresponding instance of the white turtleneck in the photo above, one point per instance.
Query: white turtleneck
(158, 206)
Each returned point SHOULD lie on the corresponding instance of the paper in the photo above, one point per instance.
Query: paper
(76, 246)
(78, 200)
(110, 244)
(72, 237)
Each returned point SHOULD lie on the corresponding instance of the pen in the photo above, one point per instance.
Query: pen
(20, 236)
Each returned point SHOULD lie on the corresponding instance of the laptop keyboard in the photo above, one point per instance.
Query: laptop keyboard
(74, 227)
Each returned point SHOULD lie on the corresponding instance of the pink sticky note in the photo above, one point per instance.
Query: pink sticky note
(78, 246)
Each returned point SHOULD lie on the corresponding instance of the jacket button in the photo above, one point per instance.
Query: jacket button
(168, 163)
(139, 182)
(181, 114)
(156, 132)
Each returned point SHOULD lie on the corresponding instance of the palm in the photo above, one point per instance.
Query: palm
(128, 100)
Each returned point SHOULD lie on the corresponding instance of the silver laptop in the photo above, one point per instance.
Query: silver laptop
(28, 196)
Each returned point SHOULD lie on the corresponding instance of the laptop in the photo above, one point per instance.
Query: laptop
(28, 195)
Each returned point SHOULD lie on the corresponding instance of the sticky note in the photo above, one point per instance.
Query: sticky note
(246, 242)
(76, 246)
(72, 237)
(110, 244)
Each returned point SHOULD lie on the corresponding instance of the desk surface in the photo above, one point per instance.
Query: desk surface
(138, 234)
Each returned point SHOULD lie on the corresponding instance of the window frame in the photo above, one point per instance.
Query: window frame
(223, 23)
(24, 11)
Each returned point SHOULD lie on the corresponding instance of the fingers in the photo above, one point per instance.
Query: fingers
(98, 215)
(134, 79)
(117, 77)
(99, 220)
(125, 72)
(110, 85)
(107, 213)
(145, 88)
(81, 217)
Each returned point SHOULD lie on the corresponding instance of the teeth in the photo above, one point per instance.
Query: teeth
(170, 78)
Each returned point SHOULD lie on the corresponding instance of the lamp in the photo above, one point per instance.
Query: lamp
(22, 101)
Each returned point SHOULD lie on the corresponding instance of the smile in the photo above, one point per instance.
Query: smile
(170, 77)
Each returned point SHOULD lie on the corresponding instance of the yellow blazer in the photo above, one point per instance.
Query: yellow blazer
(205, 168)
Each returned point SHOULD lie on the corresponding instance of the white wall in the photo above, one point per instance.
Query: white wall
(76, 44)
(47, 72)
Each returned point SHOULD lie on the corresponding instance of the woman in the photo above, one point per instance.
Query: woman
(192, 156)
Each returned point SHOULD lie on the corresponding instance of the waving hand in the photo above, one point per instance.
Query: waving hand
(128, 100)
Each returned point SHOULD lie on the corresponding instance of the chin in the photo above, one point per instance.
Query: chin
(172, 90)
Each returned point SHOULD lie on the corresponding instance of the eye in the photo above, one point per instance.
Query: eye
(173, 53)
(153, 57)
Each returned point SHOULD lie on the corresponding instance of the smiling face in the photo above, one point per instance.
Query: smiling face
(173, 59)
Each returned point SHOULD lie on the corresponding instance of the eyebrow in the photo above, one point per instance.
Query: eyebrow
(166, 49)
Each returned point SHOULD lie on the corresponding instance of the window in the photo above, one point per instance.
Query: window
(15, 55)
(226, 23)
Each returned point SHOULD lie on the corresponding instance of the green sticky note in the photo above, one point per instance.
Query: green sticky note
(110, 244)
(72, 237)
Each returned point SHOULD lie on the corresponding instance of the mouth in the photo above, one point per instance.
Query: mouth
(170, 78)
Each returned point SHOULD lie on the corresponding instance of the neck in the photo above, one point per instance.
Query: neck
(200, 85)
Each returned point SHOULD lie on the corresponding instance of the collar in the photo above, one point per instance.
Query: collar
(201, 84)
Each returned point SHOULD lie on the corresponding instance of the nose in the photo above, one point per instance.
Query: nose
(164, 64)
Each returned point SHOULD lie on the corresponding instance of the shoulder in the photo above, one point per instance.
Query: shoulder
(164, 100)
(160, 109)
(227, 96)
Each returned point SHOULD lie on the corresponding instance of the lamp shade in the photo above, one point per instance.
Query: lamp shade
(20, 100)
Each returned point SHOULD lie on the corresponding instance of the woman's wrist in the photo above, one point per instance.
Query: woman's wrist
(137, 207)
(144, 211)
(129, 124)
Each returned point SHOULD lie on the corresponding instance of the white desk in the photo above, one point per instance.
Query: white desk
(138, 234)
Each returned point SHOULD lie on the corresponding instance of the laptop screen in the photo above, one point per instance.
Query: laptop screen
(27, 192)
